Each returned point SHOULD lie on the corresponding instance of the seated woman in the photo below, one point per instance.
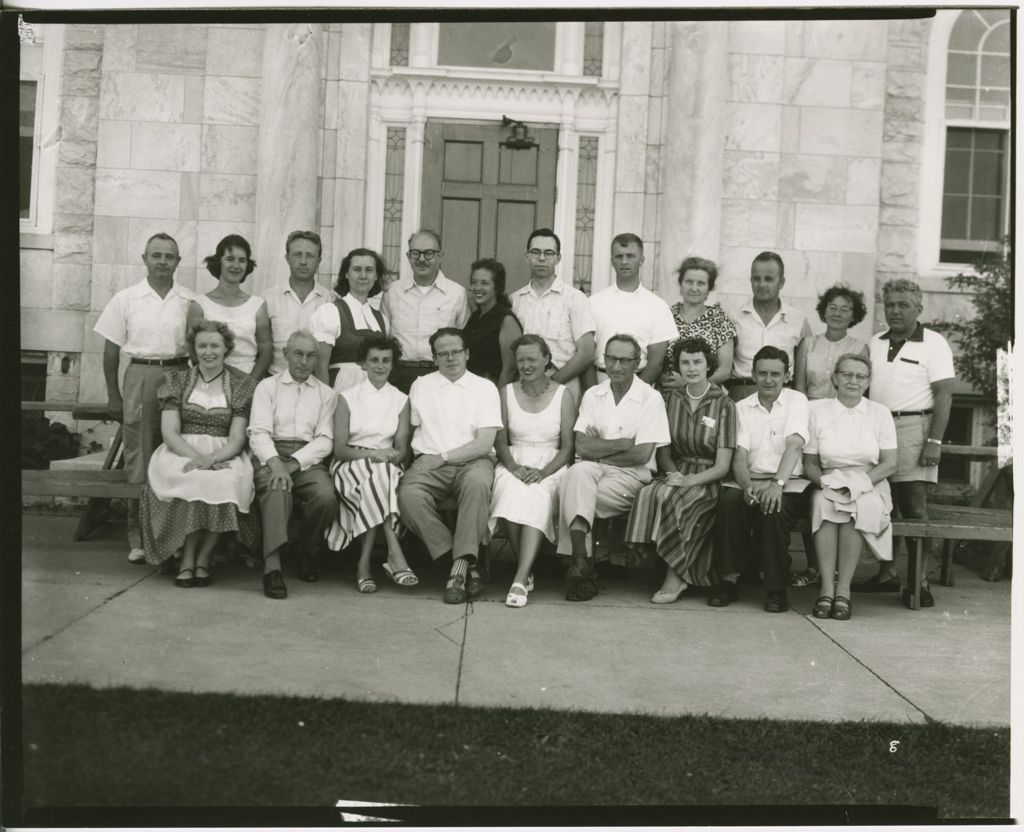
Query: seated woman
(340, 327)
(677, 514)
(492, 327)
(371, 438)
(200, 479)
(533, 447)
(850, 452)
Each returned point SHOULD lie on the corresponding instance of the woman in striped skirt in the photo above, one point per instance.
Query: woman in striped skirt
(371, 438)
(676, 514)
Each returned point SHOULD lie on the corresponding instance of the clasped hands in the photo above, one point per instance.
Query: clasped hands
(767, 493)
(207, 462)
(528, 475)
(281, 471)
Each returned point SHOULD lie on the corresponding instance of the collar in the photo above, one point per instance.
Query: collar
(785, 310)
(286, 378)
(860, 407)
(637, 291)
(365, 387)
(461, 382)
(320, 291)
(557, 285)
(634, 393)
(441, 282)
(143, 288)
(916, 335)
(753, 400)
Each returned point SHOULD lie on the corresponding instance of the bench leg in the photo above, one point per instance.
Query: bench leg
(948, 548)
(915, 557)
(96, 511)
(998, 556)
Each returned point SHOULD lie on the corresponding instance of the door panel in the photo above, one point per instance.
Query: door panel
(513, 224)
(460, 248)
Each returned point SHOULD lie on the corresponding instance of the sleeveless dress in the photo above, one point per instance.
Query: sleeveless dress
(821, 361)
(241, 320)
(533, 440)
(174, 502)
(481, 337)
(338, 325)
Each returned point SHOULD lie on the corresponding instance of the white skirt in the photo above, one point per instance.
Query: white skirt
(534, 505)
(168, 479)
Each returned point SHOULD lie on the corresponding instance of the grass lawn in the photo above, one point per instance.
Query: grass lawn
(123, 747)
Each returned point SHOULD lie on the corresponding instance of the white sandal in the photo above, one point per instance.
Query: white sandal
(514, 599)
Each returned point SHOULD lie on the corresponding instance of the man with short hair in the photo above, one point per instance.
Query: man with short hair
(291, 432)
(628, 307)
(758, 509)
(290, 305)
(420, 305)
(764, 321)
(456, 415)
(146, 322)
(621, 422)
(555, 310)
(912, 374)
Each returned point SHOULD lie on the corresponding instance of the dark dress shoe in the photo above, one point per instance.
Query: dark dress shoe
(874, 584)
(307, 570)
(777, 601)
(273, 584)
(725, 593)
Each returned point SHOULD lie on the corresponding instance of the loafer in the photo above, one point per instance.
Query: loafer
(455, 590)
(874, 584)
(273, 584)
(776, 601)
(725, 593)
(474, 583)
(307, 570)
(927, 599)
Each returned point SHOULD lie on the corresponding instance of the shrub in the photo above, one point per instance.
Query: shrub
(43, 441)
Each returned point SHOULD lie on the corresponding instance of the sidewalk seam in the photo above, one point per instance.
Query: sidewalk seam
(462, 650)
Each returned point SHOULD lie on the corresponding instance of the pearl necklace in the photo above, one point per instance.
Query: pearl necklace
(701, 396)
(547, 386)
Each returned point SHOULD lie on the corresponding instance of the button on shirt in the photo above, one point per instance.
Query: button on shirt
(373, 414)
(784, 331)
(287, 314)
(283, 408)
(560, 315)
(639, 415)
(416, 315)
(762, 433)
(901, 379)
(845, 437)
(145, 325)
(640, 313)
(447, 414)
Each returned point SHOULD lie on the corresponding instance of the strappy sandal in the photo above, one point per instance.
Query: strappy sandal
(402, 577)
(842, 609)
(582, 589)
(822, 607)
(185, 583)
(366, 585)
(517, 599)
(201, 581)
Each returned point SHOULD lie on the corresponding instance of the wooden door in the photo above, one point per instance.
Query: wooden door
(484, 198)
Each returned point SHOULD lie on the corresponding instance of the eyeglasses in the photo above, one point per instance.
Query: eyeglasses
(833, 308)
(845, 376)
(444, 356)
(545, 254)
(427, 254)
(614, 359)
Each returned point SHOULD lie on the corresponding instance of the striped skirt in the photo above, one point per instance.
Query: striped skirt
(367, 496)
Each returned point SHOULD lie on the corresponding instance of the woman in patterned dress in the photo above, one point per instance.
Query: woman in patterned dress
(371, 438)
(696, 319)
(200, 480)
(676, 514)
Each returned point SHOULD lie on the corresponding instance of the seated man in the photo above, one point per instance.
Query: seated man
(757, 511)
(622, 420)
(291, 431)
(455, 416)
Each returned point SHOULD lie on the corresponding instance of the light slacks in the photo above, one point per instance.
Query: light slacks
(595, 489)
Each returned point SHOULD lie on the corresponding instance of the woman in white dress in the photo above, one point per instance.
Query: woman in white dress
(245, 314)
(533, 448)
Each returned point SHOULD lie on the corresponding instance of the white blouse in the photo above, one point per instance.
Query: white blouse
(373, 414)
(326, 321)
(848, 437)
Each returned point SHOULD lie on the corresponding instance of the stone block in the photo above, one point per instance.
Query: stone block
(142, 96)
(756, 78)
(353, 62)
(178, 48)
(72, 248)
(187, 277)
(904, 109)
(899, 216)
(785, 223)
(901, 152)
(910, 56)
(836, 227)
(655, 120)
(632, 149)
(808, 274)
(119, 47)
(92, 342)
(230, 149)
(92, 386)
(167, 147)
(107, 281)
(790, 141)
(137, 193)
(188, 206)
(636, 51)
(75, 190)
(71, 286)
(141, 229)
(652, 169)
(900, 184)
(225, 196)
(51, 329)
(231, 100)
(760, 37)
(817, 82)
(332, 57)
(840, 132)
(901, 130)
(868, 85)
(81, 154)
(110, 241)
(78, 118)
(194, 88)
(748, 222)
(84, 36)
(904, 84)
(913, 30)
(629, 213)
(853, 40)
(753, 127)
(795, 38)
(81, 72)
(862, 181)
(750, 175)
(73, 223)
(330, 153)
(236, 52)
(804, 178)
(897, 248)
(657, 73)
(859, 270)
(114, 144)
(35, 278)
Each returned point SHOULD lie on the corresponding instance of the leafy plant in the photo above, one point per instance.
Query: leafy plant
(43, 441)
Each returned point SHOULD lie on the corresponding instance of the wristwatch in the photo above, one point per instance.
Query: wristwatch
(780, 483)
(933, 441)
(444, 456)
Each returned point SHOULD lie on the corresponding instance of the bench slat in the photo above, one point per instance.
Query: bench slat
(78, 484)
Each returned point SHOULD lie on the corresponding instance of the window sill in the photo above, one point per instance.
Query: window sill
(32, 240)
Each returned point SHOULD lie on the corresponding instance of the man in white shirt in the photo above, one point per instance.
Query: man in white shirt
(455, 416)
(291, 432)
(147, 323)
(621, 422)
(764, 321)
(758, 510)
(291, 305)
(420, 305)
(912, 374)
(627, 307)
(555, 310)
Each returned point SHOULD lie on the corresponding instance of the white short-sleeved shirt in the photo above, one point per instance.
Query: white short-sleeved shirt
(417, 312)
(560, 315)
(639, 415)
(903, 380)
(641, 314)
(784, 331)
(373, 414)
(845, 437)
(763, 433)
(145, 325)
(447, 414)
(288, 314)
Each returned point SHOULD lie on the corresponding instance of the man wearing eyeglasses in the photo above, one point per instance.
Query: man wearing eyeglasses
(420, 305)
(555, 310)
(456, 416)
(621, 423)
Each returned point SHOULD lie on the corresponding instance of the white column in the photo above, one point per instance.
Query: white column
(565, 188)
(376, 159)
(412, 186)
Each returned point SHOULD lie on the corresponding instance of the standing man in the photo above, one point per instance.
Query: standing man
(621, 423)
(559, 313)
(456, 416)
(765, 321)
(912, 374)
(291, 305)
(419, 306)
(630, 308)
(291, 432)
(147, 322)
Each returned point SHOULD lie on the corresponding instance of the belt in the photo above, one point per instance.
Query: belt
(418, 364)
(897, 413)
(162, 362)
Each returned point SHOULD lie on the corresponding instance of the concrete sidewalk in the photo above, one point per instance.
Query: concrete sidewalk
(90, 616)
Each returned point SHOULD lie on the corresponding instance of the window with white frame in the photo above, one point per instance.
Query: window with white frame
(38, 101)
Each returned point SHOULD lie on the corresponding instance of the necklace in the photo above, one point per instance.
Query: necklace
(210, 380)
(547, 386)
(701, 396)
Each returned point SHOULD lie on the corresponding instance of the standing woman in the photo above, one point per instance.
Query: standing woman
(245, 314)
(340, 327)
(839, 308)
(696, 319)
(677, 514)
(492, 327)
